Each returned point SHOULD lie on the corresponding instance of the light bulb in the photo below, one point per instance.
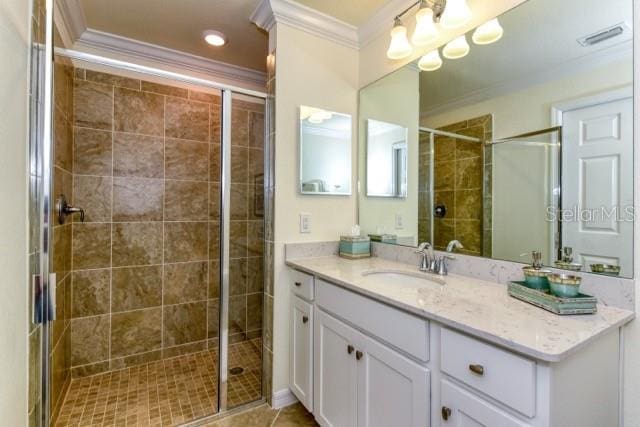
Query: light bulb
(326, 115)
(456, 14)
(431, 61)
(214, 38)
(399, 47)
(425, 31)
(316, 118)
(487, 33)
(456, 48)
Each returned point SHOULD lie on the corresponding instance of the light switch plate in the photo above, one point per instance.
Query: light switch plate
(305, 223)
(399, 222)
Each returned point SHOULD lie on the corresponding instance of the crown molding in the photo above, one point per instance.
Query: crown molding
(136, 50)
(595, 59)
(70, 20)
(305, 19)
(381, 21)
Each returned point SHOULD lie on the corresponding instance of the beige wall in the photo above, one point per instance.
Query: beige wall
(393, 99)
(14, 33)
(319, 73)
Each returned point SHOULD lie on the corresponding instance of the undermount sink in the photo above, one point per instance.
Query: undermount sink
(406, 279)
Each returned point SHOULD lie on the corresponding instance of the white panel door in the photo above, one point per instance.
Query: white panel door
(461, 408)
(597, 173)
(392, 390)
(334, 377)
(301, 351)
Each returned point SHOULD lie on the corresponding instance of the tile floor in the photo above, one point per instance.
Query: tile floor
(162, 393)
(264, 416)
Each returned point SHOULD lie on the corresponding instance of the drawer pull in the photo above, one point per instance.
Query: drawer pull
(358, 355)
(350, 349)
(477, 369)
(446, 413)
(298, 284)
(305, 319)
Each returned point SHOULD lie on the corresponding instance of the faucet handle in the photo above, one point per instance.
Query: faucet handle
(442, 267)
(422, 246)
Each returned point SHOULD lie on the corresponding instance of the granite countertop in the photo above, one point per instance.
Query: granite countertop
(480, 308)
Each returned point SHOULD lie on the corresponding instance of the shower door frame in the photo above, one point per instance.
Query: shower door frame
(227, 92)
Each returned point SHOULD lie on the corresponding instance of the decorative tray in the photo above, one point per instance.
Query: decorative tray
(581, 304)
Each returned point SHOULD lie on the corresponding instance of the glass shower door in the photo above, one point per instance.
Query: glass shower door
(243, 193)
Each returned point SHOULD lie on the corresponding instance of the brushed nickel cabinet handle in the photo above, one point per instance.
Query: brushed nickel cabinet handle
(477, 369)
(298, 284)
(358, 355)
(350, 349)
(305, 319)
(446, 413)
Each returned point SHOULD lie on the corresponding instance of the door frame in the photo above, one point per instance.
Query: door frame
(557, 113)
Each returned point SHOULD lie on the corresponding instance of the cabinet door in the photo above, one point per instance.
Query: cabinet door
(301, 351)
(334, 379)
(392, 390)
(461, 408)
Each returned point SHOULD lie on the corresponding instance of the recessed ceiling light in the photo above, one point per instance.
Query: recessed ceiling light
(214, 38)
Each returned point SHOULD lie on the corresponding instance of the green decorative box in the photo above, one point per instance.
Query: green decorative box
(355, 247)
(581, 304)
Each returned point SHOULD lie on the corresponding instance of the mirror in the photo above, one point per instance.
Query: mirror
(325, 152)
(524, 144)
(386, 159)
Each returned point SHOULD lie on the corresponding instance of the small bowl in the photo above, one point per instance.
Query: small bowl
(609, 269)
(572, 266)
(564, 285)
(536, 278)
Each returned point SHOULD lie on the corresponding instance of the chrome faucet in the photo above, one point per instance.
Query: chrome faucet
(453, 245)
(431, 263)
(426, 250)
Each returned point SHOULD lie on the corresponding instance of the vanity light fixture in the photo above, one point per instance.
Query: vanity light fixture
(399, 47)
(214, 38)
(431, 61)
(456, 48)
(487, 33)
(425, 31)
(456, 14)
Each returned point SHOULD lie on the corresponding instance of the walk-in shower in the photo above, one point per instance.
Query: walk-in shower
(149, 309)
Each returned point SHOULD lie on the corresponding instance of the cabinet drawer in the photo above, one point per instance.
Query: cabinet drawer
(302, 284)
(460, 408)
(402, 330)
(500, 374)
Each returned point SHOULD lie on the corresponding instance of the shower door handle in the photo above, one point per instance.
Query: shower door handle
(51, 296)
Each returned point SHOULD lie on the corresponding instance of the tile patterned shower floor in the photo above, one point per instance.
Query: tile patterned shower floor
(162, 393)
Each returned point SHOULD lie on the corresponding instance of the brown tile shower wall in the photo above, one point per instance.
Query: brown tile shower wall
(461, 171)
(146, 260)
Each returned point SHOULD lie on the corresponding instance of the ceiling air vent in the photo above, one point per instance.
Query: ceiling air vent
(606, 34)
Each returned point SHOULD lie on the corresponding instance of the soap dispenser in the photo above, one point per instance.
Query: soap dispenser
(534, 275)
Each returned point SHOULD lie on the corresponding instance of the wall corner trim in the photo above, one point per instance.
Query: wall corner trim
(70, 20)
(283, 398)
(306, 19)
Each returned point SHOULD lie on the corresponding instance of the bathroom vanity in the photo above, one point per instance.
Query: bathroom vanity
(374, 342)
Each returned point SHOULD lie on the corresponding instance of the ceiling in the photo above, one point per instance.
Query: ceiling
(354, 12)
(540, 38)
(178, 24)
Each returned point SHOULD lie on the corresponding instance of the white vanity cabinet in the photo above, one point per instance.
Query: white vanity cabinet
(361, 382)
(364, 362)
